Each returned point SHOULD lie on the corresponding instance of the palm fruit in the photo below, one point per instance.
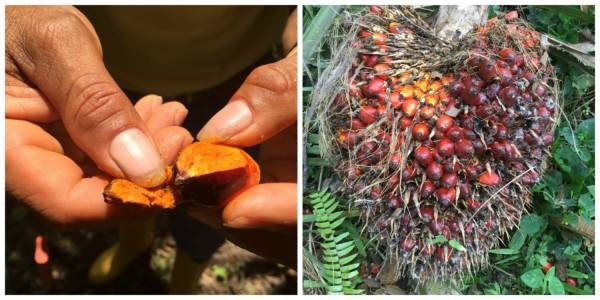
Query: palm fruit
(466, 137)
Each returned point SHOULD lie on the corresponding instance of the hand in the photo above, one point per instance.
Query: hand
(54, 59)
(263, 218)
(47, 171)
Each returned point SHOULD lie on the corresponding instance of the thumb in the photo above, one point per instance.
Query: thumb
(65, 63)
(264, 105)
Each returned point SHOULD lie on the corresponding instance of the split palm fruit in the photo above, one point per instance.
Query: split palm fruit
(204, 173)
(437, 142)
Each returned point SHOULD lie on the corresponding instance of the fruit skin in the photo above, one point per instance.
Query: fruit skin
(375, 86)
(368, 115)
(449, 180)
(427, 189)
(434, 171)
(420, 132)
(547, 267)
(464, 148)
(571, 281)
(423, 156)
(491, 179)
(443, 123)
(445, 196)
(445, 148)
(426, 213)
(410, 107)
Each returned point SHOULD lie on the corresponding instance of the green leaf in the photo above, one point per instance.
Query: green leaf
(311, 284)
(506, 251)
(533, 278)
(456, 245)
(575, 274)
(517, 240)
(555, 286)
(437, 240)
(531, 224)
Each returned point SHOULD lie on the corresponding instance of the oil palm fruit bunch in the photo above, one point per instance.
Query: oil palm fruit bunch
(439, 142)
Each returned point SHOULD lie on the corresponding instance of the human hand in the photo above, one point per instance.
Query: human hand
(263, 218)
(47, 171)
(54, 70)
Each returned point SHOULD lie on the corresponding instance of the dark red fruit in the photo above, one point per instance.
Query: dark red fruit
(508, 96)
(436, 226)
(434, 171)
(357, 124)
(498, 150)
(456, 88)
(508, 55)
(408, 244)
(455, 133)
(464, 148)
(426, 213)
(445, 148)
(408, 172)
(473, 205)
(478, 146)
(449, 166)
(465, 190)
(443, 123)
(375, 86)
(427, 189)
(395, 160)
(420, 132)
(472, 173)
(423, 156)
(449, 180)
(487, 70)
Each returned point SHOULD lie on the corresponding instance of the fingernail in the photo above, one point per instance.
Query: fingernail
(138, 158)
(180, 115)
(229, 121)
(155, 101)
(239, 222)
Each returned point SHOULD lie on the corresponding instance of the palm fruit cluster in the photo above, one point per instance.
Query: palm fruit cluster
(438, 142)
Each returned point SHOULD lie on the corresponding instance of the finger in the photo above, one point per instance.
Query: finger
(270, 205)
(264, 105)
(171, 140)
(146, 106)
(52, 184)
(65, 62)
(25, 103)
(171, 113)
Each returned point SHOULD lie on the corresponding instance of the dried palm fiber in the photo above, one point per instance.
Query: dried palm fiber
(436, 142)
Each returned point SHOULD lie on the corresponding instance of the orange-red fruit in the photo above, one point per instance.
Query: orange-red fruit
(449, 180)
(455, 133)
(473, 205)
(423, 156)
(405, 122)
(427, 112)
(508, 55)
(445, 148)
(443, 123)
(427, 189)
(434, 171)
(367, 114)
(379, 38)
(571, 282)
(381, 70)
(420, 132)
(445, 196)
(356, 124)
(410, 107)
(375, 86)
(489, 178)
(547, 267)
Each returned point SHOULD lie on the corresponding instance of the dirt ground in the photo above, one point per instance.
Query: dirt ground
(232, 270)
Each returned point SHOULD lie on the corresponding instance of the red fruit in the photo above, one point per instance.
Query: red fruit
(449, 180)
(464, 148)
(374, 9)
(478, 146)
(356, 124)
(367, 114)
(420, 132)
(443, 253)
(427, 189)
(427, 112)
(489, 178)
(547, 267)
(501, 133)
(434, 171)
(379, 38)
(445, 196)
(443, 123)
(408, 244)
(426, 213)
(436, 226)
(571, 281)
(529, 76)
(376, 192)
(492, 90)
(375, 269)
(455, 133)
(370, 60)
(456, 88)
(408, 172)
(363, 33)
(445, 148)
(376, 85)
(508, 95)
(410, 107)
(498, 150)
(487, 70)
(381, 70)
(449, 167)
(472, 173)
(508, 55)
(395, 101)
(348, 139)
(473, 205)
(505, 76)
(405, 122)
(423, 156)
(395, 160)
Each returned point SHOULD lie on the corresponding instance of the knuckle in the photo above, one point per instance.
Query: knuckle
(274, 78)
(98, 105)
(57, 27)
